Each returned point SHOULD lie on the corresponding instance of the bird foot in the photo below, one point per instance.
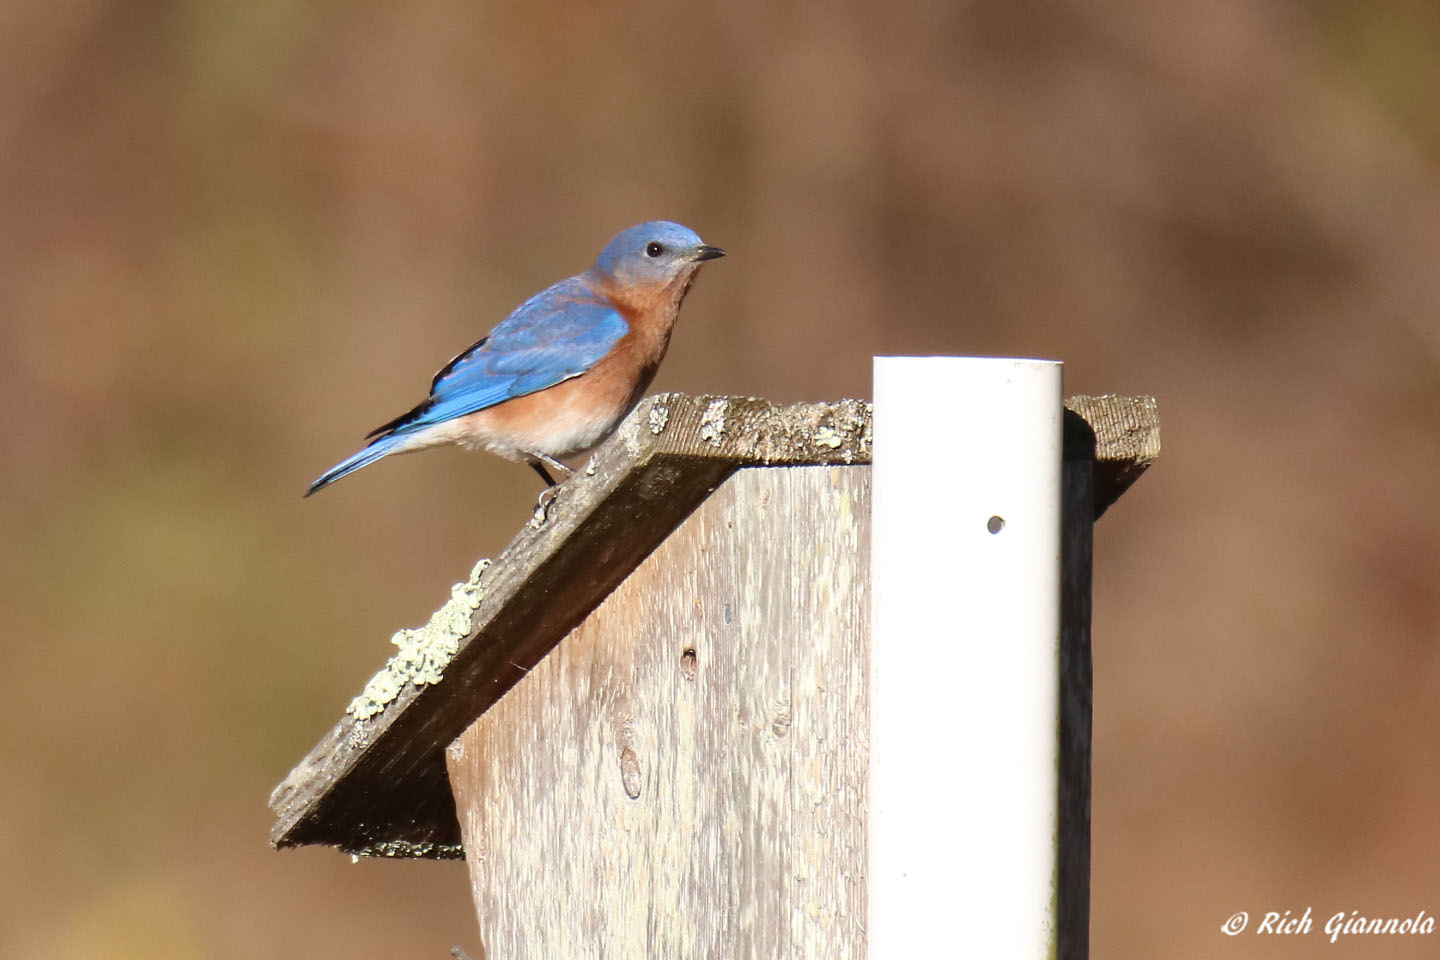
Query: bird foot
(542, 507)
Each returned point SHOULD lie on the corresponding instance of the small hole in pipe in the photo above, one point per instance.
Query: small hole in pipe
(995, 524)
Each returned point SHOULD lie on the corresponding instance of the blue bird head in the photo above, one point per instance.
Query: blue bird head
(655, 253)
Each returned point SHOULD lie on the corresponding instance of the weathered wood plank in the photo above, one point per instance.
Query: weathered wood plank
(1127, 441)
(684, 776)
(376, 783)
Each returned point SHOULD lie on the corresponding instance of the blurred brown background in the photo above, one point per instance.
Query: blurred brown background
(234, 237)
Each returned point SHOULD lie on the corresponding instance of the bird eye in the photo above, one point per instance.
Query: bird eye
(653, 249)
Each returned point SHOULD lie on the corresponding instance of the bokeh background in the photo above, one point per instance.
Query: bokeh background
(234, 237)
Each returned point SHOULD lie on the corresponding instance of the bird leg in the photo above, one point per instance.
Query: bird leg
(540, 461)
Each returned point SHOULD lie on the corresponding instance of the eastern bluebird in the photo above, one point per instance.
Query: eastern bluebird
(558, 375)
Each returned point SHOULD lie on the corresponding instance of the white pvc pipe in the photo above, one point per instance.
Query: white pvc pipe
(965, 579)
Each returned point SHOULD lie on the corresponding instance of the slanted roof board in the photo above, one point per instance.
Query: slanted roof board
(378, 786)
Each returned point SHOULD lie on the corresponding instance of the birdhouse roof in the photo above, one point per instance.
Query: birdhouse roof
(376, 784)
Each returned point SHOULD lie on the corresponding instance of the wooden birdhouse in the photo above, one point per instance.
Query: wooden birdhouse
(646, 724)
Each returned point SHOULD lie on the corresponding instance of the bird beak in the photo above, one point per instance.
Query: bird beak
(703, 252)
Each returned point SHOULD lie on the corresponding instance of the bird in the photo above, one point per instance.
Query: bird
(555, 378)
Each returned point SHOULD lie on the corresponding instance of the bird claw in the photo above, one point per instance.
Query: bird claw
(542, 507)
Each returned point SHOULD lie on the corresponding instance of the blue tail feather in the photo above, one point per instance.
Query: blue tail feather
(377, 448)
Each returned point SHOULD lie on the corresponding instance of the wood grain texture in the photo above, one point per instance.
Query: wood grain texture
(1126, 441)
(684, 775)
(376, 784)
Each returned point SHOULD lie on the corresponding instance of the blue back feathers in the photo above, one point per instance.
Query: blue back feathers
(555, 335)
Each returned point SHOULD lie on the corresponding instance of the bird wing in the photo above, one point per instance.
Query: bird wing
(555, 335)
